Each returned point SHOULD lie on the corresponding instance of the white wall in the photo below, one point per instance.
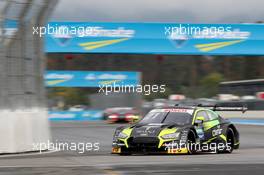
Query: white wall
(19, 130)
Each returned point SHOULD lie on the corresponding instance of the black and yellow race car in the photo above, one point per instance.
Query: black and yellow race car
(179, 130)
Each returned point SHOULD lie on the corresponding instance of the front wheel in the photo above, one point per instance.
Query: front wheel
(191, 143)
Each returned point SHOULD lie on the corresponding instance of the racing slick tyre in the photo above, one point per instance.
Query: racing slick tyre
(191, 143)
(230, 139)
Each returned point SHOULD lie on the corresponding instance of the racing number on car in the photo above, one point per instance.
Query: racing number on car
(218, 131)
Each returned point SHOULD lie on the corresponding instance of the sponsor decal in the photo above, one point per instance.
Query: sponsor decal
(90, 78)
(217, 131)
(189, 111)
(63, 39)
(55, 78)
(230, 34)
(180, 37)
(98, 44)
(76, 115)
(61, 115)
(65, 33)
(107, 79)
(216, 45)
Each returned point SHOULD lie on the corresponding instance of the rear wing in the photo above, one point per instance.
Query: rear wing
(243, 109)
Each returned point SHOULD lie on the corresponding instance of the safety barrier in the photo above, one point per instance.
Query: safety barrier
(20, 130)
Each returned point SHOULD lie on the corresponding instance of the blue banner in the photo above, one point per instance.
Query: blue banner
(10, 27)
(90, 78)
(149, 38)
(87, 115)
(154, 38)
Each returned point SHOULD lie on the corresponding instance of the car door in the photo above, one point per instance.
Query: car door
(200, 128)
(214, 124)
(209, 125)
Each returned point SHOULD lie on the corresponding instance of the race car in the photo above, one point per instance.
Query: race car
(121, 114)
(179, 130)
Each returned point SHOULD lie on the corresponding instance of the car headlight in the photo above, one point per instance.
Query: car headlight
(171, 136)
(122, 135)
(136, 117)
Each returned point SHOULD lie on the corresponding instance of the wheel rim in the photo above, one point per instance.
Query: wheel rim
(230, 141)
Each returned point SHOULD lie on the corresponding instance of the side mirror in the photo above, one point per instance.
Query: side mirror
(134, 119)
(199, 120)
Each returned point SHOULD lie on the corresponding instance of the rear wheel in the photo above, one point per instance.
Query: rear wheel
(230, 141)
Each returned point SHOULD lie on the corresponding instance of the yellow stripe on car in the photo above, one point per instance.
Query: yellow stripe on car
(208, 141)
(164, 132)
(223, 137)
(128, 132)
(177, 151)
(210, 124)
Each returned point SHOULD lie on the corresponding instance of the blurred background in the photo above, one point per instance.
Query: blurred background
(189, 79)
(226, 80)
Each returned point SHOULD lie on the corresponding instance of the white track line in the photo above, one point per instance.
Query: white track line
(27, 154)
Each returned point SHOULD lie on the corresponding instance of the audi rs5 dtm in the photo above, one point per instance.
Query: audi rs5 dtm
(179, 130)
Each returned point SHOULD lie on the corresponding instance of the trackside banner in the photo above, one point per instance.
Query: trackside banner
(153, 38)
(90, 78)
(149, 38)
(89, 115)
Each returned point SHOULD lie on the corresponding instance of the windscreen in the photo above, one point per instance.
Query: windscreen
(154, 117)
(178, 118)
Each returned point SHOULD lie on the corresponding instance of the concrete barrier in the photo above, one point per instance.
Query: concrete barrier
(20, 130)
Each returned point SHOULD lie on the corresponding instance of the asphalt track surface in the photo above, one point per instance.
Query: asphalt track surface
(249, 159)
